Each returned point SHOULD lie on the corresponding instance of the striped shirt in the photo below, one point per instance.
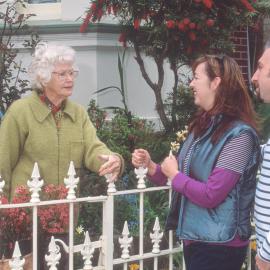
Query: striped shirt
(234, 156)
(236, 153)
(262, 206)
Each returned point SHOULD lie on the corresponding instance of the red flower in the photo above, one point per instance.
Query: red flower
(192, 25)
(4, 200)
(181, 26)
(85, 22)
(99, 14)
(248, 6)
(136, 24)
(192, 36)
(83, 27)
(170, 24)
(54, 218)
(16, 223)
(210, 22)
(93, 7)
(208, 3)
(186, 21)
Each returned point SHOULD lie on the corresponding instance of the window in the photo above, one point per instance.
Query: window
(43, 9)
(42, 1)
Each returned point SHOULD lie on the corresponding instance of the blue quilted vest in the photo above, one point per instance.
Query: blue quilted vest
(232, 216)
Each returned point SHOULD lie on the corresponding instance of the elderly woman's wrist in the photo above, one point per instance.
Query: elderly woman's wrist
(122, 163)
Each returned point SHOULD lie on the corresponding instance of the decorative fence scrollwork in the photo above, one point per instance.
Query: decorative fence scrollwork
(105, 245)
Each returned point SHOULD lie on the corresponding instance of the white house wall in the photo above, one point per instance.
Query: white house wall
(97, 60)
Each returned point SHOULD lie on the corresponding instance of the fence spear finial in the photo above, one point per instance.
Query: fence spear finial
(87, 252)
(35, 184)
(71, 182)
(16, 262)
(111, 185)
(125, 242)
(156, 237)
(141, 174)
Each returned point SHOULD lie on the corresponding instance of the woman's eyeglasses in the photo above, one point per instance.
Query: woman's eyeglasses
(62, 76)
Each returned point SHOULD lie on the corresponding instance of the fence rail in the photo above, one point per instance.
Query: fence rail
(105, 245)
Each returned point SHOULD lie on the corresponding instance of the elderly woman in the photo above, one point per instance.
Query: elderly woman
(46, 127)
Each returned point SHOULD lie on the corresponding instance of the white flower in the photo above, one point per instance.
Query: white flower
(80, 229)
(180, 138)
(175, 146)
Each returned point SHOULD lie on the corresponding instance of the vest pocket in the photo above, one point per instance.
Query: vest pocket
(77, 153)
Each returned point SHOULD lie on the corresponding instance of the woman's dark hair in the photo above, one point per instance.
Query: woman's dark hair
(232, 99)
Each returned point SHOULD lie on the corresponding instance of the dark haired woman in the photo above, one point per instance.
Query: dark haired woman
(215, 171)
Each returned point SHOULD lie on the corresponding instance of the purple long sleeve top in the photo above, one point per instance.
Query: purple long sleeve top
(206, 194)
(230, 165)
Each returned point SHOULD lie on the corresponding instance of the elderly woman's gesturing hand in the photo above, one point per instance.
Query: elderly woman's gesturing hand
(112, 165)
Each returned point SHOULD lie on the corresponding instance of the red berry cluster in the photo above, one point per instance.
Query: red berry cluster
(189, 27)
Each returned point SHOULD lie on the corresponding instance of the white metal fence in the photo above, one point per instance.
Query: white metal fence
(105, 244)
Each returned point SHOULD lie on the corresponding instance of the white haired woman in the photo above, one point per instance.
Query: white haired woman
(49, 128)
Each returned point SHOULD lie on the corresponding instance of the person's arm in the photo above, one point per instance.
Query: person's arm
(209, 194)
(12, 138)
(158, 178)
(96, 152)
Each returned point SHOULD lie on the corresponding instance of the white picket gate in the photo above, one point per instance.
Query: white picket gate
(105, 244)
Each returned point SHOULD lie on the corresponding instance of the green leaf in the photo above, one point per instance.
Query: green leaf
(107, 88)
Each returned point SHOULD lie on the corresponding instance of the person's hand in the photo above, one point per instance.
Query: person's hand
(112, 165)
(141, 158)
(261, 264)
(170, 166)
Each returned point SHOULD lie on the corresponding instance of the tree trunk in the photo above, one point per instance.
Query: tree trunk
(175, 125)
(156, 87)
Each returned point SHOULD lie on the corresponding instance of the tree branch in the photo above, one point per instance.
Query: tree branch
(140, 61)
